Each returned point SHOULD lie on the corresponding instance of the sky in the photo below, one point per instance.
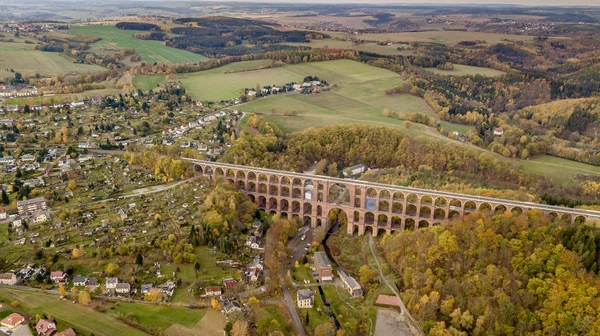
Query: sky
(502, 2)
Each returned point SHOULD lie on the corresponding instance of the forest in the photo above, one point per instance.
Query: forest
(499, 275)
(137, 26)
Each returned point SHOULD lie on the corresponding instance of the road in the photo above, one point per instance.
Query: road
(295, 244)
(403, 309)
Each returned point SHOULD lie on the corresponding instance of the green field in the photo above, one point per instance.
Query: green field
(146, 83)
(114, 39)
(45, 100)
(161, 317)
(339, 44)
(3, 233)
(467, 70)
(557, 168)
(68, 314)
(23, 58)
(443, 37)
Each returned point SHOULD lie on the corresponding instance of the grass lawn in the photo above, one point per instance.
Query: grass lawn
(442, 37)
(3, 233)
(555, 168)
(114, 39)
(467, 70)
(5, 313)
(65, 97)
(462, 129)
(23, 58)
(161, 317)
(146, 83)
(67, 314)
(339, 44)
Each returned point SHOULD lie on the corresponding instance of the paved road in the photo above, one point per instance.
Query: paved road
(403, 309)
(289, 301)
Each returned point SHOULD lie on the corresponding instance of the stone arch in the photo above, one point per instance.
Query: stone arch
(295, 207)
(273, 203)
(272, 212)
(319, 222)
(516, 211)
(384, 206)
(307, 220)
(208, 171)
(262, 188)
(423, 224)
(296, 193)
(580, 219)
(412, 198)
(356, 216)
(553, 215)
(396, 223)
(425, 212)
(453, 214)
(369, 218)
(382, 220)
(231, 181)
(219, 172)
(426, 199)
(251, 176)
(338, 193)
(307, 209)
(273, 190)
(262, 177)
(262, 202)
(368, 230)
(441, 202)
(470, 206)
(274, 179)
(371, 199)
(352, 229)
(252, 198)
(337, 216)
(285, 191)
(455, 204)
(439, 214)
(411, 210)
(230, 173)
(566, 218)
(241, 185)
(285, 205)
(198, 169)
(398, 196)
(485, 207)
(252, 186)
(384, 194)
(381, 230)
(240, 175)
(308, 190)
(286, 180)
(284, 215)
(319, 210)
(397, 207)
(409, 224)
(296, 181)
(500, 209)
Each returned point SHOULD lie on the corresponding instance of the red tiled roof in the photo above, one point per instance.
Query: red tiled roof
(12, 320)
(68, 332)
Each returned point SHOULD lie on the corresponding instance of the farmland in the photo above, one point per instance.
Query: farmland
(114, 39)
(442, 37)
(339, 44)
(146, 83)
(467, 70)
(554, 167)
(160, 317)
(22, 58)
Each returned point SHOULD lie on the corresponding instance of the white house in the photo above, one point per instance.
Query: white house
(9, 279)
(111, 283)
(305, 298)
(123, 288)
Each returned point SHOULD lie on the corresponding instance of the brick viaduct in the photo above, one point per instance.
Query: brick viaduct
(369, 207)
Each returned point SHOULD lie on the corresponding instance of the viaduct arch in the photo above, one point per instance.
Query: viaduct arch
(369, 207)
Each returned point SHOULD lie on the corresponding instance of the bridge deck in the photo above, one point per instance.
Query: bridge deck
(449, 195)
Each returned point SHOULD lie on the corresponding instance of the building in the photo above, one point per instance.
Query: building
(67, 332)
(231, 306)
(213, 291)
(79, 281)
(8, 279)
(58, 276)
(111, 283)
(229, 282)
(12, 320)
(305, 298)
(323, 267)
(39, 217)
(27, 158)
(45, 327)
(498, 131)
(31, 205)
(254, 270)
(145, 289)
(123, 288)
(355, 170)
(7, 160)
(252, 242)
(350, 284)
(3, 213)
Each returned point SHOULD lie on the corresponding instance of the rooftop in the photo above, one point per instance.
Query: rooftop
(322, 260)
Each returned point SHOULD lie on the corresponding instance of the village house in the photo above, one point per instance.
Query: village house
(123, 288)
(27, 158)
(350, 284)
(66, 332)
(305, 298)
(31, 205)
(252, 242)
(229, 282)
(91, 283)
(213, 291)
(58, 276)
(145, 288)
(79, 281)
(254, 270)
(7, 160)
(45, 327)
(498, 131)
(8, 279)
(34, 182)
(231, 306)
(12, 320)
(39, 217)
(111, 283)
(354, 170)
(323, 267)
(3, 213)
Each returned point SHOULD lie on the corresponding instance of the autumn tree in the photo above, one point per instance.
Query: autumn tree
(84, 297)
